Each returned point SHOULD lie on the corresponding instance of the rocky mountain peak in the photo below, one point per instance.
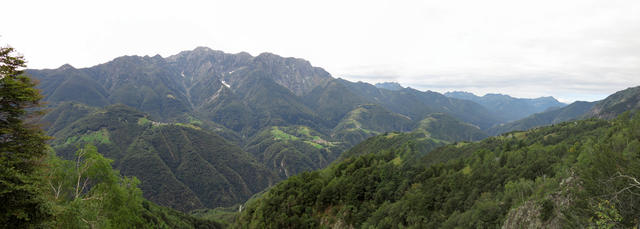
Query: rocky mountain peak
(298, 75)
(66, 67)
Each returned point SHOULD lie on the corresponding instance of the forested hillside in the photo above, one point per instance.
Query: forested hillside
(573, 174)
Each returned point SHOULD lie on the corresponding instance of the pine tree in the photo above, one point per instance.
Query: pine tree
(22, 147)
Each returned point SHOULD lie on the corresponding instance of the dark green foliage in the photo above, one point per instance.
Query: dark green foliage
(576, 174)
(22, 146)
(216, 172)
(547, 210)
(180, 165)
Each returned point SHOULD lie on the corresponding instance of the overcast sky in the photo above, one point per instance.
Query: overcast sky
(569, 49)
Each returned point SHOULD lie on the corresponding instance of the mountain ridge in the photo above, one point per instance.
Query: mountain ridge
(279, 116)
(508, 107)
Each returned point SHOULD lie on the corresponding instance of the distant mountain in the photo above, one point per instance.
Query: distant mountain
(573, 111)
(616, 104)
(393, 86)
(509, 108)
(418, 104)
(608, 108)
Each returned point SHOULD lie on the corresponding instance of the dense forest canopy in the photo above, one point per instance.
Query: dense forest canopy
(575, 174)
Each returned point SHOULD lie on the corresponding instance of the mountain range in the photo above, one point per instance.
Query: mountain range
(205, 129)
(507, 107)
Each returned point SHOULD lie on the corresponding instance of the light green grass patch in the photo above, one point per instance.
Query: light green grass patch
(281, 135)
(316, 145)
(397, 161)
(96, 137)
(466, 170)
(188, 125)
(143, 121)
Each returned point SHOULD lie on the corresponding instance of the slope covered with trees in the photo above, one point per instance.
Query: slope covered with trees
(575, 174)
(181, 165)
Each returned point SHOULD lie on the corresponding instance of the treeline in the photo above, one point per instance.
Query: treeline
(574, 174)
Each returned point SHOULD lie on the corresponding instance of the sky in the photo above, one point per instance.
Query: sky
(569, 49)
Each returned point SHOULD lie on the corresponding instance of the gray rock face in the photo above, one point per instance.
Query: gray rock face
(295, 74)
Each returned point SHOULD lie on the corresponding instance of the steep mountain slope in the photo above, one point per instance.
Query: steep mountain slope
(507, 107)
(436, 130)
(616, 104)
(573, 111)
(612, 106)
(333, 101)
(64, 115)
(294, 149)
(566, 175)
(180, 165)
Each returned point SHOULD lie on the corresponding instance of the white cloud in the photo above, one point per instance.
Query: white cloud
(572, 49)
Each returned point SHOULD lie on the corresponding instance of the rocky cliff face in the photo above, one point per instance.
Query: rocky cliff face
(202, 63)
(295, 74)
(186, 81)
